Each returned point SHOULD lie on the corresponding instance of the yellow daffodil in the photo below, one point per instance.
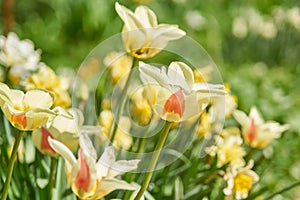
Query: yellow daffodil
(256, 132)
(122, 139)
(26, 111)
(119, 65)
(64, 129)
(240, 181)
(173, 93)
(203, 127)
(142, 35)
(140, 109)
(46, 79)
(89, 178)
(228, 148)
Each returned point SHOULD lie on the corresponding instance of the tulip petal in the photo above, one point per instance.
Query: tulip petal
(146, 16)
(131, 22)
(153, 75)
(16, 97)
(108, 185)
(241, 118)
(4, 93)
(254, 113)
(87, 145)
(186, 71)
(82, 180)
(122, 166)
(106, 161)
(38, 99)
(64, 151)
(177, 76)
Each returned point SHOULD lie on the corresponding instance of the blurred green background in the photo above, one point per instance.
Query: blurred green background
(255, 44)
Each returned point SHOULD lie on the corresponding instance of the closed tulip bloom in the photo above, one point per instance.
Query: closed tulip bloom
(143, 37)
(89, 178)
(63, 128)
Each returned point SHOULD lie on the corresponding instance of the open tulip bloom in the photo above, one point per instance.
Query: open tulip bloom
(256, 132)
(143, 37)
(173, 93)
(26, 111)
(89, 178)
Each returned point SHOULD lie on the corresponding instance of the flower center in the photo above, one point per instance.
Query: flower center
(175, 103)
(82, 180)
(242, 183)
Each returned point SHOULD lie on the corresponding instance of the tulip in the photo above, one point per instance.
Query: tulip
(173, 93)
(142, 35)
(256, 132)
(64, 129)
(26, 111)
(89, 178)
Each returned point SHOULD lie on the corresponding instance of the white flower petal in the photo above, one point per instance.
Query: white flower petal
(87, 145)
(106, 161)
(38, 99)
(241, 118)
(108, 185)
(146, 16)
(64, 151)
(254, 113)
(122, 166)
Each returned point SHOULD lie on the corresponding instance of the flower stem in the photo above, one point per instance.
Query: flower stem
(11, 164)
(122, 101)
(51, 177)
(283, 190)
(161, 141)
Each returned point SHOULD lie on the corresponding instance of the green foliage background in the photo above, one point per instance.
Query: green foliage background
(262, 72)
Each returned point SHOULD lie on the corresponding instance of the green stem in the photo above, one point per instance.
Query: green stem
(283, 190)
(51, 177)
(132, 176)
(157, 151)
(122, 101)
(11, 164)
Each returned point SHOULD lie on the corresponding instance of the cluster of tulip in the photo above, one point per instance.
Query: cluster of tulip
(169, 95)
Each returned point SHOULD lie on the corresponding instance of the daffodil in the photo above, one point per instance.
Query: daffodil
(140, 109)
(89, 178)
(63, 128)
(256, 132)
(123, 138)
(26, 111)
(228, 148)
(173, 93)
(240, 181)
(46, 79)
(119, 65)
(142, 35)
